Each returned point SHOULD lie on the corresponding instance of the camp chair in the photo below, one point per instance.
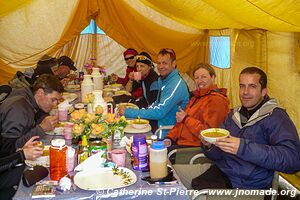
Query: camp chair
(182, 155)
(207, 194)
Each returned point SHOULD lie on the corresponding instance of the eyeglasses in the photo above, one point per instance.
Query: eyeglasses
(141, 57)
(129, 58)
(168, 51)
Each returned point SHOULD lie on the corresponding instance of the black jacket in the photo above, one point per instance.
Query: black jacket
(150, 89)
(19, 120)
(11, 160)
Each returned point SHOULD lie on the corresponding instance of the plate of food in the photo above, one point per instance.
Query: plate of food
(128, 105)
(105, 178)
(212, 134)
(69, 96)
(134, 127)
(121, 92)
(72, 87)
(58, 130)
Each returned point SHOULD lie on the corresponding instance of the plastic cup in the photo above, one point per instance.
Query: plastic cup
(62, 114)
(118, 156)
(137, 76)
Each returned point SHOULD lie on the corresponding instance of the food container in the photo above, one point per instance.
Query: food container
(212, 134)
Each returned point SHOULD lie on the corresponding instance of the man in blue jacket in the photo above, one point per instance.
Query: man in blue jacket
(263, 139)
(173, 92)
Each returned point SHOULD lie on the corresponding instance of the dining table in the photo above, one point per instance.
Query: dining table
(139, 190)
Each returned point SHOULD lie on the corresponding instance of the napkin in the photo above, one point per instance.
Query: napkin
(125, 141)
(91, 163)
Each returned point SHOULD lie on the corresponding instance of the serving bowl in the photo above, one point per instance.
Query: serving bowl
(212, 134)
(139, 123)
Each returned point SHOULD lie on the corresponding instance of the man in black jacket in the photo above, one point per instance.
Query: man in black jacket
(22, 114)
(11, 167)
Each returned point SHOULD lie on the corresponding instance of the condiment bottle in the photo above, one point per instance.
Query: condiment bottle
(58, 155)
(158, 160)
(84, 153)
(140, 153)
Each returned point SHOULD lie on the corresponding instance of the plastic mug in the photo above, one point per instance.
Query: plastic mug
(118, 156)
(137, 76)
(62, 114)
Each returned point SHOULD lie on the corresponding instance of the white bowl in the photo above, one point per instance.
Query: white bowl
(222, 133)
(139, 123)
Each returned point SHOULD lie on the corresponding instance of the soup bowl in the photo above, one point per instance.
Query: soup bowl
(139, 123)
(212, 134)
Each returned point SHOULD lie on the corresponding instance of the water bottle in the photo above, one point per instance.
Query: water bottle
(158, 160)
(58, 154)
(140, 153)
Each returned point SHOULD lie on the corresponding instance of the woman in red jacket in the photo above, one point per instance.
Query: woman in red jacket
(207, 108)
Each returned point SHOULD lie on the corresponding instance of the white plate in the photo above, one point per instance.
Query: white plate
(56, 131)
(102, 179)
(69, 96)
(130, 129)
(42, 161)
(72, 87)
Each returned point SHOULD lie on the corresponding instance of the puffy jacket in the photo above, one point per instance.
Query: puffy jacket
(173, 92)
(11, 160)
(206, 109)
(18, 120)
(269, 141)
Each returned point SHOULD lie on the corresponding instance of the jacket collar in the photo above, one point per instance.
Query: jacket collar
(213, 88)
(265, 110)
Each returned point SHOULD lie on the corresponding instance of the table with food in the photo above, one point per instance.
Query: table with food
(94, 154)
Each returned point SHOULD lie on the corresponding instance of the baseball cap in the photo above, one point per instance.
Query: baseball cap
(65, 60)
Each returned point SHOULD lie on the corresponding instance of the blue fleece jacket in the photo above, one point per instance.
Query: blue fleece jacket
(173, 92)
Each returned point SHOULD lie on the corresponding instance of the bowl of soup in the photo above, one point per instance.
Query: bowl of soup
(139, 123)
(212, 134)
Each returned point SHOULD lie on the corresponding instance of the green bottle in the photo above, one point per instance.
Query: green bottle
(84, 153)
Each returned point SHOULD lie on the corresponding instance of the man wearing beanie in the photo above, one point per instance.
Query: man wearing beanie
(129, 56)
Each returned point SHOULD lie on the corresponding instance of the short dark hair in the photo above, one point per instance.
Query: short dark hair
(166, 51)
(255, 70)
(206, 66)
(48, 83)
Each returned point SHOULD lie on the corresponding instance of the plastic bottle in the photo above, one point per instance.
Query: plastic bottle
(58, 154)
(158, 160)
(87, 86)
(140, 153)
(97, 79)
(84, 153)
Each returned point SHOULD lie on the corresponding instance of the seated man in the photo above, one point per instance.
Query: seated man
(20, 113)
(10, 171)
(206, 109)
(262, 139)
(60, 67)
(173, 92)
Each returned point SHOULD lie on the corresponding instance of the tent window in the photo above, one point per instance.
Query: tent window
(219, 47)
(92, 28)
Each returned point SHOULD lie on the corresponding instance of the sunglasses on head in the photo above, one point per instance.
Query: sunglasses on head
(141, 57)
(129, 58)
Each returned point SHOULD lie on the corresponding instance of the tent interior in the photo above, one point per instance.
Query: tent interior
(262, 33)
